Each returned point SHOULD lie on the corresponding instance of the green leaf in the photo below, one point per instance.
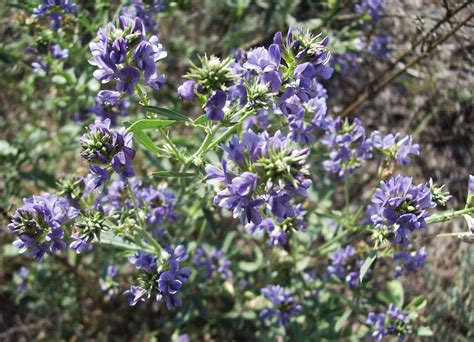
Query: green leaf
(417, 303)
(395, 290)
(144, 140)
(227, 241)
(173, 174)
(169, 113)
(252, 266)
(424, 331)
(200, 120)
(340, 322)
(366, 265)
(149, 124)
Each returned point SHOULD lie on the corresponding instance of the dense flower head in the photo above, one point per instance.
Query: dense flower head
(269, 174)
(87, 229)
(345, 265)
(146, 12)
(401, 207)
(159, 204)
(104, 146)
(161, 278)
(39, 224)
(395, 146)
(281, 307)
(213, 263)
(393, 322)
(55, 9)
(347, 145)
(123, 53)
(409, 262)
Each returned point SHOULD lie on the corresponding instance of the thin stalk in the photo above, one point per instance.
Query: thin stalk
(143, 231)
(446, 216)
(346, 194)
(227, 133)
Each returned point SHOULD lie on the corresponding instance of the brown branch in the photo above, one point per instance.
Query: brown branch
(382, 80)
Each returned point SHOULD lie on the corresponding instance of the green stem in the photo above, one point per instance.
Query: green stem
(325, 245)
(446, 216)
(346, 194)
(165, 136)
(104, 240)
(230, 131)
(143, 231)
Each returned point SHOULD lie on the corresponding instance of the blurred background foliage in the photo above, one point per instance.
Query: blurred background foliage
(42, 114)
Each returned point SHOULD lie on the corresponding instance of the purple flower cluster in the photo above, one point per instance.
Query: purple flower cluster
(214, 263)
(409, 262)
(124, 54)
(55, 9)
(146, 12)
(41, 64)
(282, 305)
(109, 284)
(393, 322)
(269, 175)
(373, 7)
(380, 47)
(345, 265)
(105, 147)
(347, 145)
(163, 280)
(39, 224)
(395, 146)
(293, 67)
(401, 207)
(107, 107)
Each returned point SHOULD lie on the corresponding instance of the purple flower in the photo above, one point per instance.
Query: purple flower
(159, 203)
(282, 306)
(401, 207)
(344, 265)
(39, 223)
(143, 261)
(80, 243)
(123, 53)
(135, 294)
(374, 7)
(347, 145)
(262, 60)
(97, 178)
(393, 322)
(128, 78)
(409, 262)
(186, 91)
(380, 47)
(105, 146)
(58, 53)
(146, 12)
(51, 8)
(112, 271)
(109, 97)
(214, 263)
(394, 146)
(215, 104)
(40, 65)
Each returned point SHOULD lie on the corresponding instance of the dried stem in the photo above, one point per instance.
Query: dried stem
(387, 76)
